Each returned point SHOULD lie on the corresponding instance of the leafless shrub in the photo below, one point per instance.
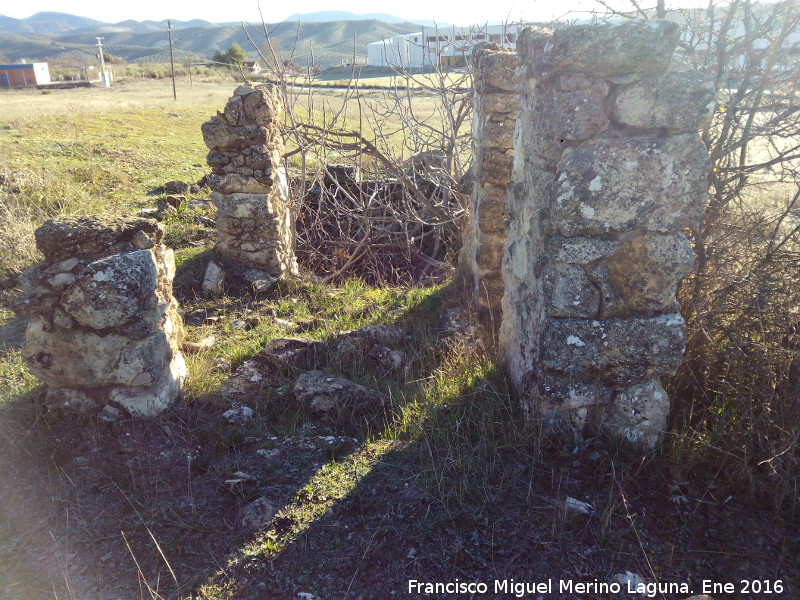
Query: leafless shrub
(400, 218)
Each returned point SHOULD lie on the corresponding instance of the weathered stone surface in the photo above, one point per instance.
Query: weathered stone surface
(645, 271)
(600, 50)
(85, 359)
(220, 135)
(581, 250)
(150, 400)
(213, 280)
(622, 184)
(250, 189)
(263, 105)
(111, 291)
(238, 183)
(561, 402)
(292, 353)
(234, 111)
(325, 394)
(243, 206)
(257, 515)
(607, 169)
(496, 68)
(637, 348)
(357, 342)
(497, 102)
(105, 327)
(79, 237)
(569, 292)
(638, 414)
(574, 115)
(681, 101)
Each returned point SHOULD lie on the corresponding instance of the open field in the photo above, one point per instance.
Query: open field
(447, 483)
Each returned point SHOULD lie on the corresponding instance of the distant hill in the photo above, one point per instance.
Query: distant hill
(59, 37)
(341, 15)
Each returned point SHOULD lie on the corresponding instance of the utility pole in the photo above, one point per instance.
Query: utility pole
(104, 82)
(172, 60)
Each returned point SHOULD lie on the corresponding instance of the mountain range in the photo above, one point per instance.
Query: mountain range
(330, 37)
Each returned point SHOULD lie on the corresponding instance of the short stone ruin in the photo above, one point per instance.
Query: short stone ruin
(609, 170)
(255, 243)
(104, 328)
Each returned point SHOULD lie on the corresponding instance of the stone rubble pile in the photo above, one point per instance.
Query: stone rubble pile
(609, 170)
(104, 327)
(250, 190)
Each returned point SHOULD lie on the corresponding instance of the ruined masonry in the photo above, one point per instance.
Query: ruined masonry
(250, 190)
(609, 170)
(104, 328)
(495, 109)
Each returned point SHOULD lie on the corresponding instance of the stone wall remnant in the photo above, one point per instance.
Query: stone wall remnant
(104, 327)
(609, 170)
(250, 191)
(495, 108)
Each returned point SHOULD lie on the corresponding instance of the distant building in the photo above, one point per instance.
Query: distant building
(447, 47)
(251, 66)
(22, 75)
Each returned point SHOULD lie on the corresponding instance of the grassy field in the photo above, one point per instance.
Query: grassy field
(445, 482)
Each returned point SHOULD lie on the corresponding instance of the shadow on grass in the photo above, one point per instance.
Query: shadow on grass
(447, 484)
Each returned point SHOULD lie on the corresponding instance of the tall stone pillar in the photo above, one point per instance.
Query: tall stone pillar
(495, 108)
(609, 172)
(250, 191)
(104, 328)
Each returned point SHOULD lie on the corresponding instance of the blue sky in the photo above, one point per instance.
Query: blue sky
(452, 11)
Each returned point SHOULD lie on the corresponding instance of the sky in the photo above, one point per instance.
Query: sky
(450, 11)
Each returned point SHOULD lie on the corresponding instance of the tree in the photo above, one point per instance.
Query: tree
(235, 55)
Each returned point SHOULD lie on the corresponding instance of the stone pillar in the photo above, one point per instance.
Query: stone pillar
(495, 108)
(610, 170)
(250, 191)
(104, 326)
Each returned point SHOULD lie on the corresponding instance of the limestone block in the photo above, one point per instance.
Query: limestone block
(220, 135)
(236, 183)
(574, 115)
(637, 348)
(213, 280)
(263, 105)
(150, 400)
(80, 358)
(79, 237)
(492, 209)
(681, 101)
(495, 167)
(217, 161)
(499, 134)
(568, 292)
(581, 250)
(234, 111)
(111, 291)
(497, 102)
(601, 50)
(613, 185)
(243, 206)
(645, 271)
(638, 414)
(496, 69)
(489, 254)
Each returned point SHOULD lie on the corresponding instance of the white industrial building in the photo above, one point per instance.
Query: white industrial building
(448, 47)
